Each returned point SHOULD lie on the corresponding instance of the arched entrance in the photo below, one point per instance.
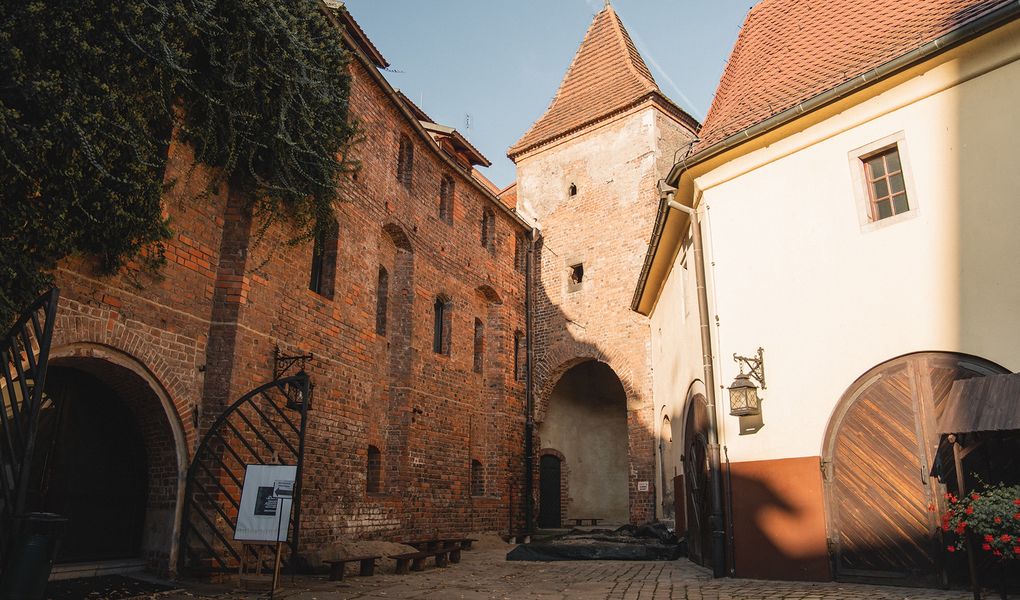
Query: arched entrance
(586, 421)
(696, 480)
(877, 456)
(107, 458)
(666, 468)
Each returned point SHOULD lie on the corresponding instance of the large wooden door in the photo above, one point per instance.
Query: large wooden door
(696, 482)
(877, 459)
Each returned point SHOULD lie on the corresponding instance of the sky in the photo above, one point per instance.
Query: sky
(490, 68)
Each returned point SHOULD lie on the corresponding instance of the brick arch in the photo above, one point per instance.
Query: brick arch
(398, 236)
(567, 355)
(488, 294)
(159, 420)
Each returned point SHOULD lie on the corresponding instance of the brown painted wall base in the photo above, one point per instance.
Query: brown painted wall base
(779, 520)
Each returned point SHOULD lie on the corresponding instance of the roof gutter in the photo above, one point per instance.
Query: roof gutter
(933, 48)
(989, 21)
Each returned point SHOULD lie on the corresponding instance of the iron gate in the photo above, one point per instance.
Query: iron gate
(24, 356)
(265, 427)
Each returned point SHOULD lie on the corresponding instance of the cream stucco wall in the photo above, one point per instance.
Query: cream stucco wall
(793, 269)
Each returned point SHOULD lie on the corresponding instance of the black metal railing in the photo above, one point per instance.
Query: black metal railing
(24, 357)
(265, 427)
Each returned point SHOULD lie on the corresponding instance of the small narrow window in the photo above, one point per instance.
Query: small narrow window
(373, 474)
(441, 326)
(886, 188)
(405, 161)
(488, 237)
(324, 249)
(576, 277)
(572, 190)
(520, 254)
(446, 194)
(477, 479)
(479, 345)
(381, 301)
(520, 355)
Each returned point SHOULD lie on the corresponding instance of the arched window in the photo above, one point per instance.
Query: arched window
(373, 474)
(488, 237)
(323, 271)
(405, 161)
(381, 300)
(446, 190)
(479, 345)
(441, 326)
(477, 479)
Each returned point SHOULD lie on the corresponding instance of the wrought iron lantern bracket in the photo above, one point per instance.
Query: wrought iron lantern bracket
(755, 365)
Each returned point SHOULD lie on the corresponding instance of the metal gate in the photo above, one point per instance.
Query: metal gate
(265, 427)
(24, 356)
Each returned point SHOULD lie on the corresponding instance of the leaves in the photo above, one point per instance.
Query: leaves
(91, 93)
(992, 515)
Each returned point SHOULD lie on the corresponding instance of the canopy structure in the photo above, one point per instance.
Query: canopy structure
(980, 404)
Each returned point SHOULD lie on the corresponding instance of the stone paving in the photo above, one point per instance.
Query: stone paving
(485, 575)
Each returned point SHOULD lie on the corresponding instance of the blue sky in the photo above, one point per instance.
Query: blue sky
(490, 68)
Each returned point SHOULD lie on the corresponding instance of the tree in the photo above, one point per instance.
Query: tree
(92, 91)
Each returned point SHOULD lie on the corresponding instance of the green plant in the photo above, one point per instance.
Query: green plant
(992, 515)
(92, 92)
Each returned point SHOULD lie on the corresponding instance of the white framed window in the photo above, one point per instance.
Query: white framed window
(883, 183)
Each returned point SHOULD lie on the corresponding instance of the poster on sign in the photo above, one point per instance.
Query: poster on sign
(266, 499)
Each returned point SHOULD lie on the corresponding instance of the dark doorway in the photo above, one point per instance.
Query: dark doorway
(881, 441)
(90, 466)
(696, 481)
(549, 515)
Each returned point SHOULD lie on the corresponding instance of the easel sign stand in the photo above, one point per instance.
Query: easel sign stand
(263, 521)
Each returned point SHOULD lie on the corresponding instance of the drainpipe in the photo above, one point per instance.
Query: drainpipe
(715, 518)
(529, 411)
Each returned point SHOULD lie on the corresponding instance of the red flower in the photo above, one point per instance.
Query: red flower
(998, 520)
(931, 507)
(1016, 550)
(997, 553)
(970, 510)
(1006, 538)
(989, 537)
(986, 546)
(1017, 502)
(953, 549)
(1017, 516)
(961, 528)
(975, 496)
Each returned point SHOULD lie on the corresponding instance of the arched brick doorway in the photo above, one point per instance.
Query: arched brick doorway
(586, 421)
(109, 458)
(876, 461)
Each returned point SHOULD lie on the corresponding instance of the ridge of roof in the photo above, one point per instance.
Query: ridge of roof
(357, 34)
(607, 75)
(789, 51)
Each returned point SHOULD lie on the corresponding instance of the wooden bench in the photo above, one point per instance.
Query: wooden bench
(336, 567)
(580, 521)
(462, 543)
(415, 561)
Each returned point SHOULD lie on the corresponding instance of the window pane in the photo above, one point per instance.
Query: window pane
(892, 161)
(884, 209)
(900, 203)
(875, 167)
(896, 183)
(881, 188)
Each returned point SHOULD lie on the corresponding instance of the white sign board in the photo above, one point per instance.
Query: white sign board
(266, 499)
(642, 486)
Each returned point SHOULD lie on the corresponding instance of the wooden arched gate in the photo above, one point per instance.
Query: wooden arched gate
(696, 481)
(876, 463)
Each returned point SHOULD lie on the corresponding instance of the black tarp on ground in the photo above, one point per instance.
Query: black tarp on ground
(648, 542)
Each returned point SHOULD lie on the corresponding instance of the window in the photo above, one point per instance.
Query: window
(520, 254)
(520, 355)
(441, 326)
(373, 472)
(886, 186)
(405, 161)
(324, 251)
(488, 237)
(446, 189)
(572, 190)
(575, 277)
(479, 345)
(381, 300)
(477, 479)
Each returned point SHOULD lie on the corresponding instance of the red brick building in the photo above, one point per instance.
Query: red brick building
(418, 419)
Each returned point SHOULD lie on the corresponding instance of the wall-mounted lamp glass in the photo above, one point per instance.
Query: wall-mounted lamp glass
(744, 400)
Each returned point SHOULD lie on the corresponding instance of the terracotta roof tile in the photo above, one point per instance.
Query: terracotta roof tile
(791, 50)
(606, 76)
(508, 195)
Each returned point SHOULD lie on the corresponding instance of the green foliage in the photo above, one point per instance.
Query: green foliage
(992, 515)
(92, 91)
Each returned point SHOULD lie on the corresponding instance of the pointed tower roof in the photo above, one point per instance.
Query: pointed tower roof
(606, 76)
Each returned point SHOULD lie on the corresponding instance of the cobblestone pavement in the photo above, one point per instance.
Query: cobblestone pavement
(484, 574)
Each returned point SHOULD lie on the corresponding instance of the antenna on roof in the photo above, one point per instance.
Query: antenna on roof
(467, 121)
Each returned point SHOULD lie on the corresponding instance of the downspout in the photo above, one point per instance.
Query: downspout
(529, 411)
(715, 517)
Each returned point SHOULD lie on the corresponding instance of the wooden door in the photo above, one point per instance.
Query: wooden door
(696, 482)
(878, 456)
(549, 490)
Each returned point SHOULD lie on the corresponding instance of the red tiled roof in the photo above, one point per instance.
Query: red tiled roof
(606, 76)
(792, 50)
(482, 179)
(508, 195)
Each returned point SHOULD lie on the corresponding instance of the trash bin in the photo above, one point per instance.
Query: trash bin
(32, 556)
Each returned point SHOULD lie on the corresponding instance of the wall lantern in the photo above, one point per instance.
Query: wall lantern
(744, 400)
